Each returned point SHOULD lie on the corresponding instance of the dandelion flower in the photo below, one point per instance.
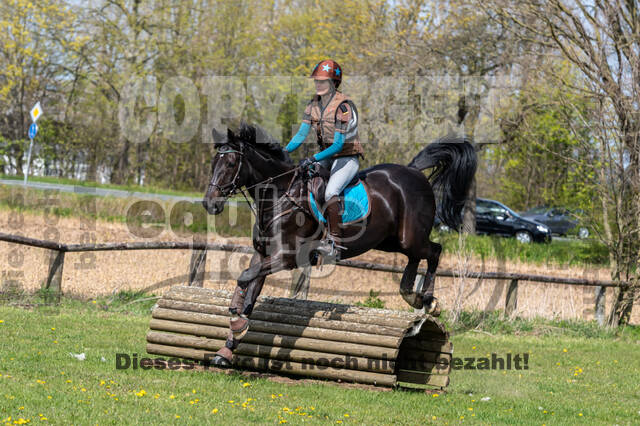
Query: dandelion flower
(564, 350)
(214, 411)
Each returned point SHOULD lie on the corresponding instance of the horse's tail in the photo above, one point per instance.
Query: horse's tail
(454, 162)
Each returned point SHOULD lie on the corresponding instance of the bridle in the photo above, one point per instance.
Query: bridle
(233, 185)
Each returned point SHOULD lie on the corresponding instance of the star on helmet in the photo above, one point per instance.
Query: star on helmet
(326, 67)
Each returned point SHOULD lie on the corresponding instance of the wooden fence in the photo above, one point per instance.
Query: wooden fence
(300, 282)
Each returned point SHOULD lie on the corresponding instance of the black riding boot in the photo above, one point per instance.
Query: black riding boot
(330, 246)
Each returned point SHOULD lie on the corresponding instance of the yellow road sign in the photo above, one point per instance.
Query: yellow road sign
(36, 112)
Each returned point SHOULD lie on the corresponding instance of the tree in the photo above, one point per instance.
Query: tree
(29, 65)
(601, 39)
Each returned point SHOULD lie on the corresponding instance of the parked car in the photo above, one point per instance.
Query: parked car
(494, 218)
(560, 220)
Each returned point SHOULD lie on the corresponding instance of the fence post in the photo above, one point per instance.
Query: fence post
(300, 283)
(197, 267)
(600, 299)
(54, 276)
(511, 302)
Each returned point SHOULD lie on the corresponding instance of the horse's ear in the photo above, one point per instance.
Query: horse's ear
(230, 135)
(218, 138)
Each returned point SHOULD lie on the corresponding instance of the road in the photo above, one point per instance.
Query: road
(105, 192)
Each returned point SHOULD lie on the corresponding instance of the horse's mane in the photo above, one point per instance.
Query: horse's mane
(262, 141)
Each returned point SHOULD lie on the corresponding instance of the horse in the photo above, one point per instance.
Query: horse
(401, 216)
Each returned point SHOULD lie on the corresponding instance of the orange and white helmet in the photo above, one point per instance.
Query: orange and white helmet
(328, 69)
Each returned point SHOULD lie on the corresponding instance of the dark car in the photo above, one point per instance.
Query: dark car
(495, 218)
(560, 220)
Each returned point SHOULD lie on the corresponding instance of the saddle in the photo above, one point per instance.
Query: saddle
(318, 182)
(355, 199)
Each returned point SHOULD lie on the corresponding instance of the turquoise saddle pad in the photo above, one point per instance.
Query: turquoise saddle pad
(356, 204)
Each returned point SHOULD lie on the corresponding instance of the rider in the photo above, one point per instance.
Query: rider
(334, 118)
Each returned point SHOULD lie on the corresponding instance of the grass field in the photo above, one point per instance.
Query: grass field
(577, 374)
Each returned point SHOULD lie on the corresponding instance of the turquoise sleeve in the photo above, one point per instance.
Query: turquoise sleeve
(299, 137)
(336, 147)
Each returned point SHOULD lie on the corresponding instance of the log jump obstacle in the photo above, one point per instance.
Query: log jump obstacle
(307, 338)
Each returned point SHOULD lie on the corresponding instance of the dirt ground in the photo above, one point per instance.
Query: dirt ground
(100, 273)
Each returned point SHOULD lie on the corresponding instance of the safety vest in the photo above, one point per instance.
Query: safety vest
(324, 123)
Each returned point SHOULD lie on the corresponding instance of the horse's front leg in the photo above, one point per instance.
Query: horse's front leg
(243, 301)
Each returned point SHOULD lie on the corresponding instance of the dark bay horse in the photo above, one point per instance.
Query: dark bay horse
(402, 211)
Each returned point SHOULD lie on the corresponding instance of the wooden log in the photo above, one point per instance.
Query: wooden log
(414, 357)
(284, 354)
(255, 337)
(284, 318)
(420, 377)
(293, 368)
(304, 308)
(197, 267)
(511, 301)
(362, 318)
(600, 304)
(278, 328)
(54, 276)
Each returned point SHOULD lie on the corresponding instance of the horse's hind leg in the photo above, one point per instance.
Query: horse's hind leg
(406, 285)
(432, 254)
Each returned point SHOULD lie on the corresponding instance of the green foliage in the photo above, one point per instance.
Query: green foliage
(373, 301)
(574, 252)
(494, 322)
(547, 160)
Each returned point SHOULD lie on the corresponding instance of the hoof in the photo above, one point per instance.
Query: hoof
(221, 362)
(239, 327)
(432, 307)
(413, 299)
(223, 358)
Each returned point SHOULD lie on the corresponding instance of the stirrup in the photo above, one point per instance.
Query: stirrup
(329, 248)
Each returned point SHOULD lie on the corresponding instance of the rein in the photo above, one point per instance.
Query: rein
(235, 188)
